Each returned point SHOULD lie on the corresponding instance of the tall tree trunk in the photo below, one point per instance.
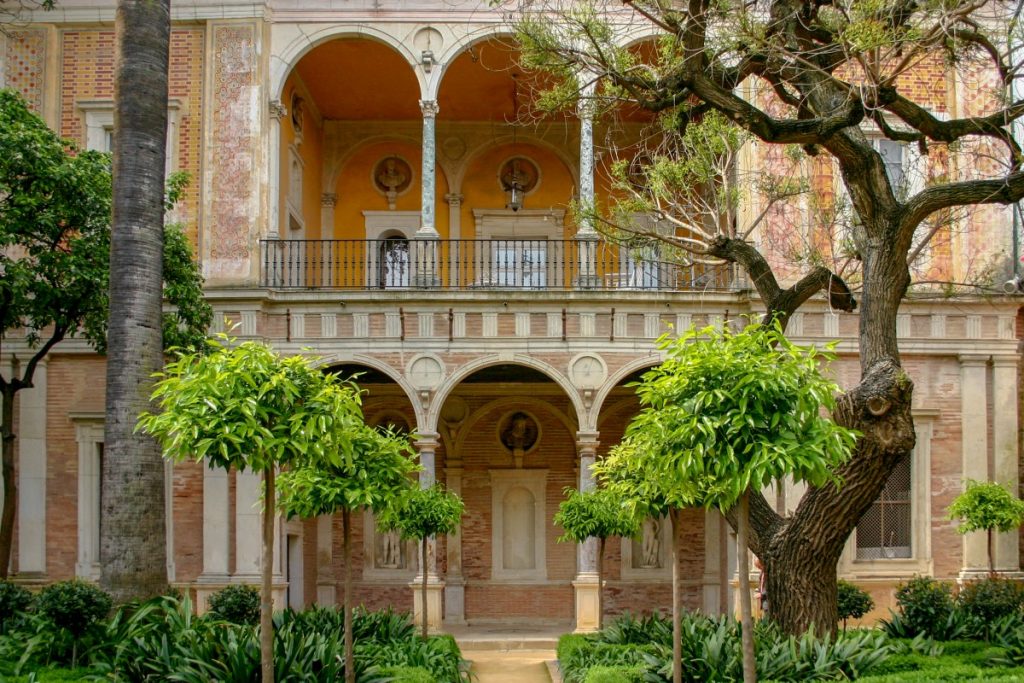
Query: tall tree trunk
(600, 583)
(991, 556)
(746, 611)
(677, 600)
(350, 661)
(267, 579)
(424, 596)
(10, 485)
(133, 534)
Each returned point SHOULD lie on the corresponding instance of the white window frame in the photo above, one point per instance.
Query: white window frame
(98, 117)
(920, 560)
(89, 436)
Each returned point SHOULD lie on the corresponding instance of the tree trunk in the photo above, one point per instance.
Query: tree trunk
(267, 587)
(746, 612)
(991, 556)
(350, 661)
(600, 583)
(10, 484)
(677, 600)
(133, 534)
(424, 596)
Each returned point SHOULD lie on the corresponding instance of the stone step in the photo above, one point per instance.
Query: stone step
(498, 644)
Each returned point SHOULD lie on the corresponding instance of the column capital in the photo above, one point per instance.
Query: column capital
(277, 109)
(1005, 361)
(454, 199)
(429, 108)
(973, 359)
(427, 442)
(588, 439)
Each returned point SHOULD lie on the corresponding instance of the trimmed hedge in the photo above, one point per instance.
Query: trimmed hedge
(615, 674)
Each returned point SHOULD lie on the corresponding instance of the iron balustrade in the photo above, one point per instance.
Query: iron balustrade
(484, 264)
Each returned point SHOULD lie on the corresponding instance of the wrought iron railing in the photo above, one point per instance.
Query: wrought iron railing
(486, 264)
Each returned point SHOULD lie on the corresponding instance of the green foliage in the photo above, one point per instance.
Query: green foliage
(247, 407)
(408, 674)
(54, 221)
(73, 605)
(597, 513)
(237, 604)
(724, 413)
(615, 674)
(985, 506)
(989, 600)
(853, 602)
(14, 600)
(422, 513)
(925, 607)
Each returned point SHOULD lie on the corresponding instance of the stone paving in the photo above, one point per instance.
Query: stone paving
(511, 666)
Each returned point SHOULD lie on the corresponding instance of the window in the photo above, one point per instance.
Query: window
(884, 532)
(89, 435)
(519, 263)
(393, 267)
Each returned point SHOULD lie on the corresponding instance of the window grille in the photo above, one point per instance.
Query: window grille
(884, 532)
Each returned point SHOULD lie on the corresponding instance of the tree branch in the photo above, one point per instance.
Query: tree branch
(926, 202)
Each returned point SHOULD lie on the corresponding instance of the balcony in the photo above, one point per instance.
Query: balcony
(480, 265)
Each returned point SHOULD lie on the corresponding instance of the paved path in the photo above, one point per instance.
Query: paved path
(511, 666)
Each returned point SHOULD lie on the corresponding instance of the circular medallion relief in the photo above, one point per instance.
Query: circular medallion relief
(587, 371)
(392, 175)
(518, 432)
(425, 372)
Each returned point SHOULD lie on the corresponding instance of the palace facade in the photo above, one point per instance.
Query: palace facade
(361, 188)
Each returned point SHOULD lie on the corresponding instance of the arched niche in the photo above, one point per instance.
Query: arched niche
(518, 527)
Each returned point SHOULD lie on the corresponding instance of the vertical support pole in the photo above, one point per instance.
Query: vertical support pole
(454, 582)
(427, 447)
(586, 235)
(587, 582)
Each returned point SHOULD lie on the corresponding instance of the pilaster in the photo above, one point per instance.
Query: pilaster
(32, 475)
(1004, 450)
(587, 585)
(974, 444)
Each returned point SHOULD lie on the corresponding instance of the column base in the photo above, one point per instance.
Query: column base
(435, 594)
(455, 601)
(207, 586)
(978, 574)
(588, 601)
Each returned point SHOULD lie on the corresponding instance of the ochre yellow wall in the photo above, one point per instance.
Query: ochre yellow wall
(357, 193)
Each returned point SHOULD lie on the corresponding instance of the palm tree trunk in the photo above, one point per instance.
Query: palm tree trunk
(267, 587)
(10, 484)
(350, 662)
(424, 599)
(677, 601)
(600, 584)
(746, 612)
(133, 534)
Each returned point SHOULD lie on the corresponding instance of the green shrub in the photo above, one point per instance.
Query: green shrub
(73, 607)
(615, 674)
(991, 599)
(926, 606)
(238, 604)
(14, 600)
(853, 602)
(408, 674)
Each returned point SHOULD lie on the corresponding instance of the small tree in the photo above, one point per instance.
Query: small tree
(988, 507)
(853, 602)
(373, 469)
(247, 408)
(727, 413)
(599, 514)
(54, 242)
(422, 514)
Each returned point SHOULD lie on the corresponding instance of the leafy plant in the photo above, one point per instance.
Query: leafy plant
(14, 600)
(925, 607)
(238, 604)
(990, 601)
(73, 606)
(988, 507)
(853, 602)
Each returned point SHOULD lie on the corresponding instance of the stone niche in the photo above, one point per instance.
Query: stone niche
(518, 525)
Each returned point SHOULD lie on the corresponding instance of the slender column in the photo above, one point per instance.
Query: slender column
(454, 200)
(428, 184)
(328, 259)
(586, 235)
(172, 570)
(216, 535)
(974, 442)
(277, 112)
(587, 583)
(1004, 448)
(325, 583)
(712, 561)
(32, 476)
(455, 584)
(427, 446)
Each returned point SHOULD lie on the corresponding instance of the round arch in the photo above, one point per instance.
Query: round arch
(333, 172)
(390, 372)
(447, 57)
(571, 165)
(511, 402)
(444, 391)
(285, 57)
(613, 380)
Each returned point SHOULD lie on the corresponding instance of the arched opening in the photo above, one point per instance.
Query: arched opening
(393, 261)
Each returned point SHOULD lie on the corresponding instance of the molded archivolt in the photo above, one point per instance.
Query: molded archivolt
(392, 373)
(511, 403)
(444, 391)
(285, 58)
(613, 381)
(450, 54)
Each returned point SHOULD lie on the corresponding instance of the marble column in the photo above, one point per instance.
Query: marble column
(587, 583)
(586, 236)
(216, 535)
(273, 258)
(426, 446)
(454, 582)
(974, 444)
(423, 251)
(328, 265)
(1004, 448)
(454, 200)
(32, 475)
